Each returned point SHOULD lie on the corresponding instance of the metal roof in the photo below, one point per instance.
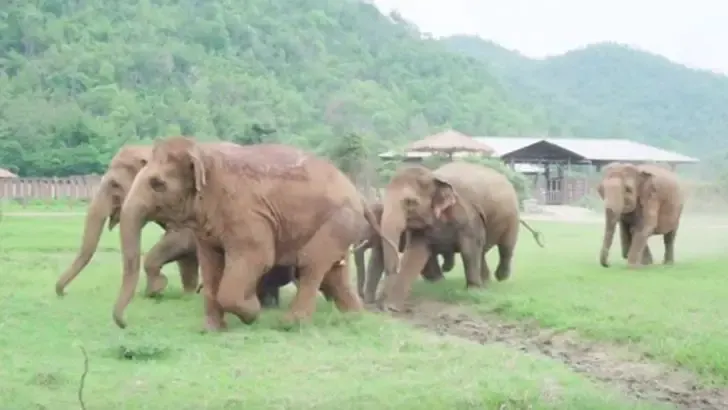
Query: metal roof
(605, 149)
(4, 173)
(505, 145)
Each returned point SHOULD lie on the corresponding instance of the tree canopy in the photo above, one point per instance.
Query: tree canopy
(78, 79)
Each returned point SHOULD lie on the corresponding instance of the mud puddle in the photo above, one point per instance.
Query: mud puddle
(628, 372)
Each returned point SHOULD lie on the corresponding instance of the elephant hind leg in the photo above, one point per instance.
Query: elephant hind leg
(431, 272)
(505, 253)
(374, 271)
(336, 287)
(448, 261)
(669, 240)
(188, 272)
(484, 269)
(647, 256)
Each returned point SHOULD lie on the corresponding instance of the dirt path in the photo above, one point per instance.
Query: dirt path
(629, 372)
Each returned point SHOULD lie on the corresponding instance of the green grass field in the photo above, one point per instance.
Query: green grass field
(676, 315)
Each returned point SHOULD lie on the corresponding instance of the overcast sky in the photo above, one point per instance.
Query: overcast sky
(692, 32)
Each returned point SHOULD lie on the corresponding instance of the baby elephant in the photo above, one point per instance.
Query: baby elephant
(268, 288)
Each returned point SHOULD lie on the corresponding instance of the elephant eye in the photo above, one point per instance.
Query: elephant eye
(113, 184)
(143, 162)
(628, 189)
(157, 184)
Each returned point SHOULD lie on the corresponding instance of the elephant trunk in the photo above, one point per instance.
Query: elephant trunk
(133, 218)
(99, 210)
(613, 206)
(393, 224)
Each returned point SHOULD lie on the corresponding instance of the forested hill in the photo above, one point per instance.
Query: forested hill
(81, 78)
(610, 90)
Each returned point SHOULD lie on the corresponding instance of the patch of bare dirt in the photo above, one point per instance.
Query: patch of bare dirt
(629, 372)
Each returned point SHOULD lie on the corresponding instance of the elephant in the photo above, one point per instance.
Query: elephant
(646, 200)
(174, 246)
(458, 207)
(367, 281)
(250, 207)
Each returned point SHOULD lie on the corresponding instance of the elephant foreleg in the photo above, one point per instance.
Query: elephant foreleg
(212, 264)
(625, 236)
(397, 287)
(669, 241)
(642, 232)
(169, 248)
(610, 223)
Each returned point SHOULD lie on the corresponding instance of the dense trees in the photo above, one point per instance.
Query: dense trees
(613, 91)
(78, 79)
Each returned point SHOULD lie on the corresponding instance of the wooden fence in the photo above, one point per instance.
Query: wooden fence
(72, 189)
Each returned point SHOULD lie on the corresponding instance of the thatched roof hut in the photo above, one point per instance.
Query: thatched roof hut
(449, 142)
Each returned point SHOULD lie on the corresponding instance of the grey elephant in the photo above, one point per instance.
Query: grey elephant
(459, 207)
(646, 200)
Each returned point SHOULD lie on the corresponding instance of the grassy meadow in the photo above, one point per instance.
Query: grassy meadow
(678, 315)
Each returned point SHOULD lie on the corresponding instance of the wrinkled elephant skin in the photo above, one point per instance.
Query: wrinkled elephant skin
(298, 209)
(462, 206)
(106, 204)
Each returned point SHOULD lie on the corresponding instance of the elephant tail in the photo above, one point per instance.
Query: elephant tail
(362, 245)
(537, 236)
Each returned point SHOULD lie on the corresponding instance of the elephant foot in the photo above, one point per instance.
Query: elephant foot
(155, 285)
(293, 318)
(668, 262)
(502, 273)
(604, 258)
(270, 301)
(391, 306)
(214, 324)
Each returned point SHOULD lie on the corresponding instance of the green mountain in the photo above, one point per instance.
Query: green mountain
(613, 91)
(79, 79)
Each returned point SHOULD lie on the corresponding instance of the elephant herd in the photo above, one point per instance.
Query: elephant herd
(251, 219)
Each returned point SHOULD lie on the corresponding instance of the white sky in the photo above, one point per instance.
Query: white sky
(693, 32)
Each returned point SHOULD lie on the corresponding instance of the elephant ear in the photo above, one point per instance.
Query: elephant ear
(646, 184)
(198, 167)
(444, 199)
